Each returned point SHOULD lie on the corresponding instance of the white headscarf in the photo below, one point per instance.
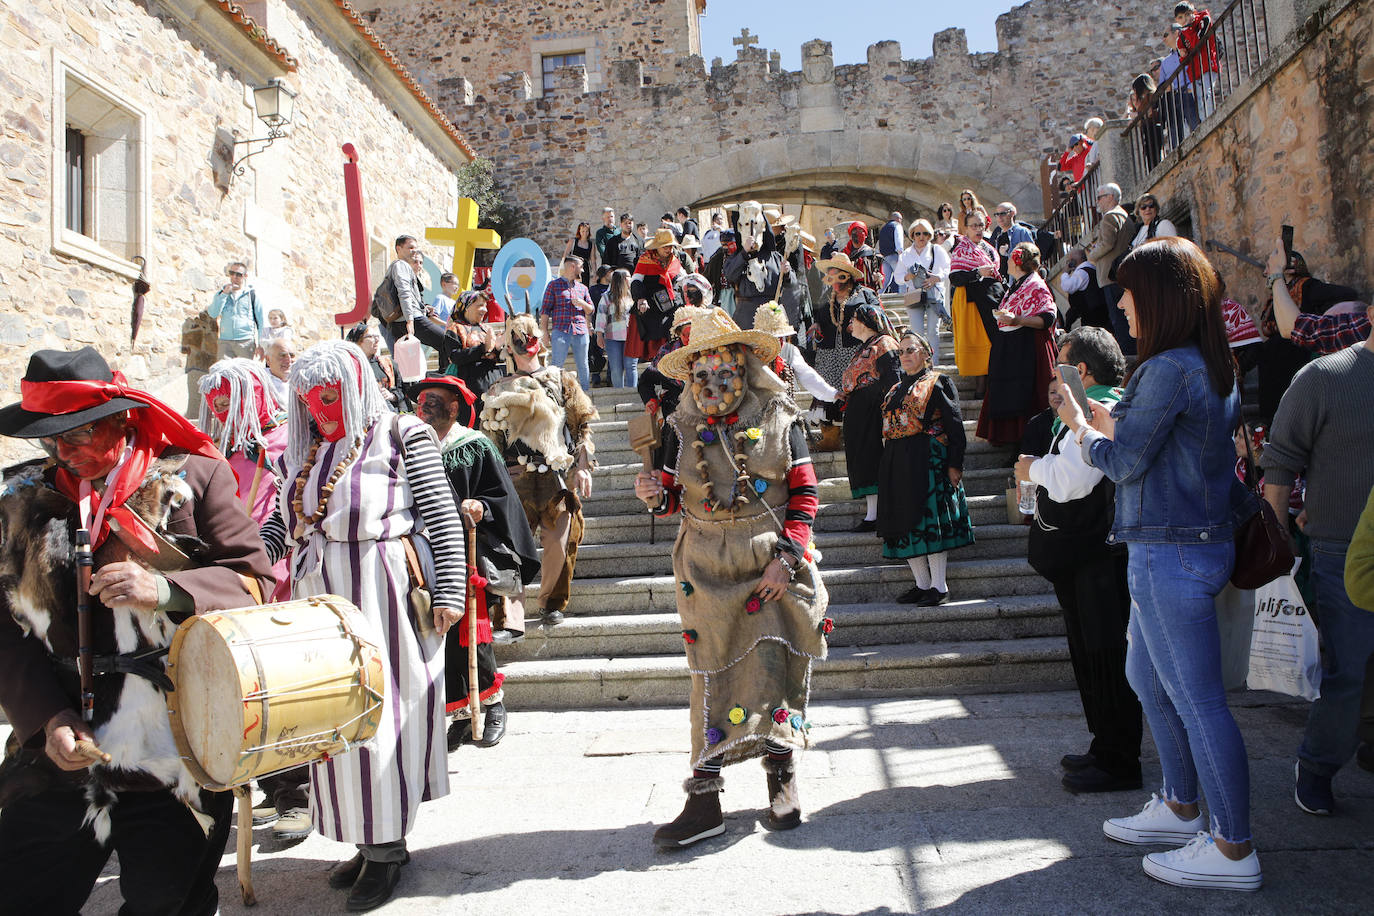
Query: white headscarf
(331, 361)
(242, 427)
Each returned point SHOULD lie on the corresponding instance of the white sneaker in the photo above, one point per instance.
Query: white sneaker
(1201, 864)
(1156, 823)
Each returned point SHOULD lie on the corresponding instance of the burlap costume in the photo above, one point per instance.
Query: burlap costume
(760, 662)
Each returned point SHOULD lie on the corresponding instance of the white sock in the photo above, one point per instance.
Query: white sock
(871, 513)
(938, 562)
(921, 570)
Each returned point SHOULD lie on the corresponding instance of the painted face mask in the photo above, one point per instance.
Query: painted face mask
(325, 403)
(718, 381)
(218, 401)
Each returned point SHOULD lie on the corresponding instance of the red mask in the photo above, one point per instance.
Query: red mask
(685, 333)
(531, 347)
(323, 413)
(221, 392)
(94, 459)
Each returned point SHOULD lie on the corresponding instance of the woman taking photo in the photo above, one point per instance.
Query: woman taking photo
(922, 512)
(1021, 361)
(871, 374)
(612, 326)
(977, 290)
(472, 353)
(1167, 446)
(580, 246)
(922, 269)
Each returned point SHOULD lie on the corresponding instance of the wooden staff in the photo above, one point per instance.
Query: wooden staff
(92, 753)
(257, 479)
(84, 650)
(244, 846)
(644, 438)
(470, 533)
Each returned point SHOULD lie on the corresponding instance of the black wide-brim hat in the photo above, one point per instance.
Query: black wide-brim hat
(466, 396)
(84, 365)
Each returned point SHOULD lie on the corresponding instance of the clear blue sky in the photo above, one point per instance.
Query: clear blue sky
(784, 25)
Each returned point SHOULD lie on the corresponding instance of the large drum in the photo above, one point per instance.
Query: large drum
(269, 688)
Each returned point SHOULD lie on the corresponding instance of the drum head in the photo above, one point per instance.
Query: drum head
(209, 700)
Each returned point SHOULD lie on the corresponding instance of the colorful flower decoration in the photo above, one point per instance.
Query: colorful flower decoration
(689, 636)
(708, 436)
(797, 722)
(780, 715)
(687, 588)
(753, 605)
(827, 625)
(738, 714)
(754, 433)
(714, 736)
(760, 486)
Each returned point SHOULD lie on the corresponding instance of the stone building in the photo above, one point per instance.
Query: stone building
(119, 130)
(640, 122)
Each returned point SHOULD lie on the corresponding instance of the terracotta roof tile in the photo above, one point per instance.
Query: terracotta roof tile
(395, 64)
(257, 33)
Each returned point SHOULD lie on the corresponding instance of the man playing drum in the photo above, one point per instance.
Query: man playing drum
(144, 484)
(370, 517)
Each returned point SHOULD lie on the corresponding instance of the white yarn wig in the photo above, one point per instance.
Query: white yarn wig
(242, 428)
(331, 361)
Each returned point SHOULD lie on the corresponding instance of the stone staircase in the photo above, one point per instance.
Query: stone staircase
(621, 644)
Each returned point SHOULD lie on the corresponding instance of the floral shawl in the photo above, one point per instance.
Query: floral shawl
(1029, 296)
(863, 368)
(969, 256)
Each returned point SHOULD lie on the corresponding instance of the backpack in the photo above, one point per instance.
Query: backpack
(386, 305)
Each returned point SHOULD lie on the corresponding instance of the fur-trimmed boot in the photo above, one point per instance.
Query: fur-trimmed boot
(784, 806)
(701, 817)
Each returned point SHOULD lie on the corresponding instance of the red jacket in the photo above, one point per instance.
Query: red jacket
(1205, 61)
(1077, 163)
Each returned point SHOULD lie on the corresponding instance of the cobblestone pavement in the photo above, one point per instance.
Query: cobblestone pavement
(939, 804)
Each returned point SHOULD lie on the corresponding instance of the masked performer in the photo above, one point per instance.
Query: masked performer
(540, 419)
(748, 590)
(249, 425)
(507, 554)
(366, 503)
(169, 540)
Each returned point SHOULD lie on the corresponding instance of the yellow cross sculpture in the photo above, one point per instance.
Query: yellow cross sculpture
(465, 238)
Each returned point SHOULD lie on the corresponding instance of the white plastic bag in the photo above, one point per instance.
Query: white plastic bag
(1285, 656)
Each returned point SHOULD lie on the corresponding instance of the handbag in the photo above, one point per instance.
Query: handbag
(419, 598)
(1263, 549)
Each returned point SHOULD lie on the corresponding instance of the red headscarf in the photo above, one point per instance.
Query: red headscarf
(853, 246)
(156, 428)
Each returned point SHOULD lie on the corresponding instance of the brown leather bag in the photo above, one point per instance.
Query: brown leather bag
(1263, 549)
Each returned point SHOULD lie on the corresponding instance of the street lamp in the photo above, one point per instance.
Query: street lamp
(273, 105)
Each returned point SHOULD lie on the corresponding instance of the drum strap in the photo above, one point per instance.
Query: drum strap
(147, 665)
(417, 573)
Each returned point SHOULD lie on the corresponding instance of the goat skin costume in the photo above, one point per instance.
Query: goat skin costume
(750, 660)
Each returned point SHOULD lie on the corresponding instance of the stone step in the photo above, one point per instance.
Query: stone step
(610, 507)
(981, 666)
(876, 624)
(838, 548)
(977, 454)
(879, 580)
(978, 481)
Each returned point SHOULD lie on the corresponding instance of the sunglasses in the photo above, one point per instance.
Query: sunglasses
(911, 350)
(82, 435)
(921, 235)
(237, 273)
(1002, 213)
(1146, 207)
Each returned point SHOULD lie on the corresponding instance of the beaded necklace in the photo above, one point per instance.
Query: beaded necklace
(298, 501)
(721, 429)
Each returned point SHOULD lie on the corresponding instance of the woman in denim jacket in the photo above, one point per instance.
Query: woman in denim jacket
(1167, 446)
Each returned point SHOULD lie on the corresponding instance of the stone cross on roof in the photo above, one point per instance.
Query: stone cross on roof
(745, 40)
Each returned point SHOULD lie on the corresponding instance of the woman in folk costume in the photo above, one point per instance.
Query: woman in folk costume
(1023, 351)
(922, 511)
(657, 290)
(871, 374)
(748, 590)
(366, 488)
(835, 345)
(977, 288)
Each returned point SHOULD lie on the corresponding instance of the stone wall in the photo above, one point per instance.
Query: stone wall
(285, 216)
(1299, 149)
(892, 132)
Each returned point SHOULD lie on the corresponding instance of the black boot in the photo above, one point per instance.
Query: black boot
(784, 807)
(345, 874)
(493, 725)
(700, 819)
(375, 885)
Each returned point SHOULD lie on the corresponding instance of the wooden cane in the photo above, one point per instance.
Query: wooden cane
(644, 438)
(470, 533)
(257, 479)
(245, 846)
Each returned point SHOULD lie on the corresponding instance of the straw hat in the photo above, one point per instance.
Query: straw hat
(663, 238)
(686, 314)
(690, 241)
(714, 332)
(840, 261)
(783, 221)
(771, 318)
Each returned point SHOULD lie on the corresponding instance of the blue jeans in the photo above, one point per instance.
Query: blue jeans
(624, 371)
(1173, 662)
(558, 353)
(925, 320)
(1347, 635)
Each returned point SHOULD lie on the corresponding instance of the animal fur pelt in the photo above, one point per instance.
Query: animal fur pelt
(38, 591)
(530, 409)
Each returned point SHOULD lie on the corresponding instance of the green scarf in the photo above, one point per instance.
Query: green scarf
(1103, 393)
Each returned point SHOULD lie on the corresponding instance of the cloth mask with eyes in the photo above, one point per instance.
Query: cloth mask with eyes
(323, 413)
(718, 380)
